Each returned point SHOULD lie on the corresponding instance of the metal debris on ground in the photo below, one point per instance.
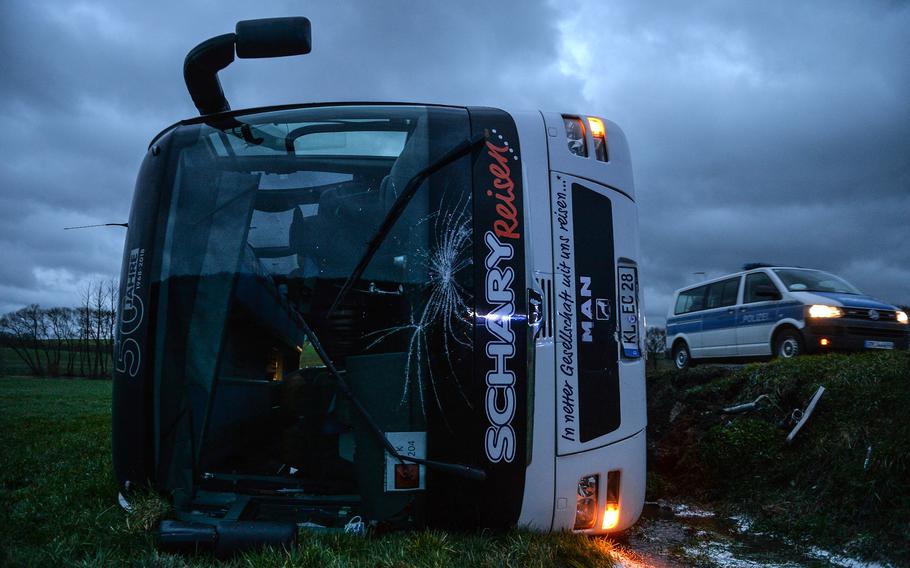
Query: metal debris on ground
(746, 406)
(804, 415)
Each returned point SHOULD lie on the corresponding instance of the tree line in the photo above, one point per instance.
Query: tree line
(65, 341)
(655, 343)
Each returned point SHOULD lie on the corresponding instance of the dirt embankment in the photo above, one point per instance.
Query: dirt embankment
(844, 481)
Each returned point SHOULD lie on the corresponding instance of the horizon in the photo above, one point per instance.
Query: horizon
(756, 132)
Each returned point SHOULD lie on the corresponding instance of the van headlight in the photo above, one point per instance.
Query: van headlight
(822, 311)
(586, 502)
(901, 316)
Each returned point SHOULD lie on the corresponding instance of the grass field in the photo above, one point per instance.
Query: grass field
(11, 365)
(58, 495)
(57, 492)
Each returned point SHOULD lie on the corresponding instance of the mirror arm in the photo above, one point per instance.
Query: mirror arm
(270, 37)
(200, 72)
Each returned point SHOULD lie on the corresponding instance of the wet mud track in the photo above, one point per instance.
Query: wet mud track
(671, 535)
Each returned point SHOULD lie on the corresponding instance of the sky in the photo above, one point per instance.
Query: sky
(768, 131)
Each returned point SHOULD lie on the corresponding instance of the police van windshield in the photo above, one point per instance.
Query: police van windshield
(268, 216)
(802, 280)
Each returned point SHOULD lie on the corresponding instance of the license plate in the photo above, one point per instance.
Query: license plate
(870, 344)
(628, 311)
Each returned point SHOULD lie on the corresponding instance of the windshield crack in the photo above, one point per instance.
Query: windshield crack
(447, 308)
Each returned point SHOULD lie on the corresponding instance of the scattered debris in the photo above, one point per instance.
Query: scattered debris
(746, 406)
(805, 414)
(676, 411)
(356, 526)
(743, 523)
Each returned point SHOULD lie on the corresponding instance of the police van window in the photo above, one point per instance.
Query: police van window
(731, 291)
(690, 300)
(754, 282)
(802, 280)
(722, 294)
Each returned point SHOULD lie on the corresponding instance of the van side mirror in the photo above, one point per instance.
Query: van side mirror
(767, 292)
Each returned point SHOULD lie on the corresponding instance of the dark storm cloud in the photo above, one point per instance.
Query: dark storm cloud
(768, 132)
(86, 85)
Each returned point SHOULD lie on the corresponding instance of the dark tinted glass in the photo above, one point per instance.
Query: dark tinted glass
(267, 219)
(723, 293)
(753, 281)
(800, 280)
(690, 300)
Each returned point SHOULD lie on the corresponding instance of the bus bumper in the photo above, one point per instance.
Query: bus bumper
(625, 456)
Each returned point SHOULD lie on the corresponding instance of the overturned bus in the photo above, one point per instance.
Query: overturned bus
(419, 315)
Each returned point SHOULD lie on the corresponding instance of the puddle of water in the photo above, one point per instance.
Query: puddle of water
(671, 535)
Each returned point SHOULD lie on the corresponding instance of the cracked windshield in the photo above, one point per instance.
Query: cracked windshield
(269, 217)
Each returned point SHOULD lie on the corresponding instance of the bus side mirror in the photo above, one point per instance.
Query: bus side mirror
(252, 39)
(767, 292)
(273, 37)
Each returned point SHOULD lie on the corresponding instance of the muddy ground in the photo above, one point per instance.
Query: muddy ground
(727, 489)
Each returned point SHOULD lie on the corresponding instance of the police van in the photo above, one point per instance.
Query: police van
(778, 311)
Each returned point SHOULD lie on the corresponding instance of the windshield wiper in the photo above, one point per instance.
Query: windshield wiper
(401, 202)
(451, 468)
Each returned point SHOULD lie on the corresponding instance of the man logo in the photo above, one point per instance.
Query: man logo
(603, 309)
(873, 314)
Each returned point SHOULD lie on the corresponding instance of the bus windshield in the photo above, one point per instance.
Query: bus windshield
(267, 217)
(803, 280)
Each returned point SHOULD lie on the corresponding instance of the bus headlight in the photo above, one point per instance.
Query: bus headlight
(586, 503)
(901, 317)
(822, 311)
(575, 135)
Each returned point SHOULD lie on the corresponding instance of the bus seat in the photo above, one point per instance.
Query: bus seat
(302, 241)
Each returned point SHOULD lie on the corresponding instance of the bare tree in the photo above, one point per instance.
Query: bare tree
(74, 341)
(56, 339)
(70, 326)
(64, 336)
(24, 329)
(113, 295)
(99, 324)
(84, 325)
(655, 343)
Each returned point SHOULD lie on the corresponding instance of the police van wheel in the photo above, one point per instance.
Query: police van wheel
(789, 344)
(681, 357)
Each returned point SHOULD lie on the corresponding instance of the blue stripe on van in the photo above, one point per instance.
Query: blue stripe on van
(742, 316)
(684, 323)
(763, 314)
